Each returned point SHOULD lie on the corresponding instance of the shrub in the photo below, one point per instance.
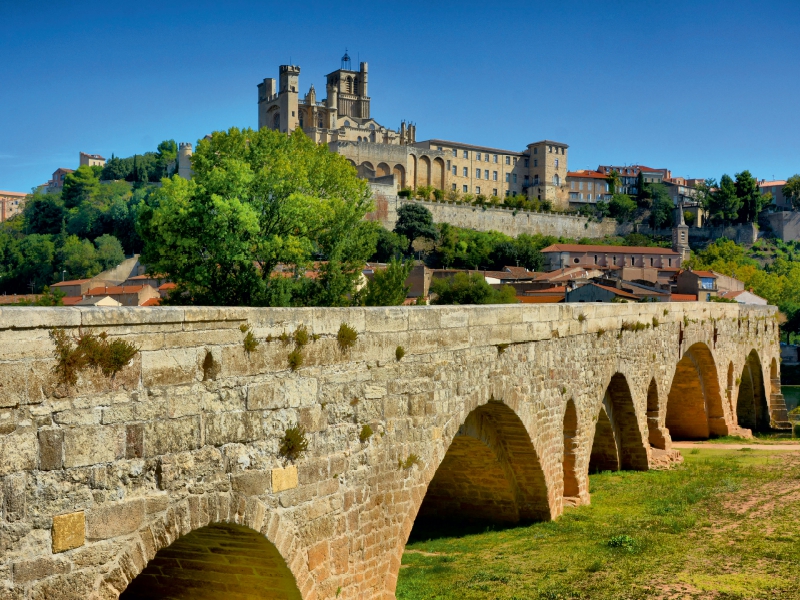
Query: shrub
(629, 326)
(293, 444)
(600, 332)
(409, 462)
(501, 348)
(89, 351)
(581, 318)
(656, 322)
(399, 353)
(250, 342)
(625, 542)
(301, 336)
(284, 337)
(295, 359)
(366, 433)
(346, 338)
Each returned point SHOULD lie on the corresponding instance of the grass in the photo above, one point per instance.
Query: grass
(722, 526)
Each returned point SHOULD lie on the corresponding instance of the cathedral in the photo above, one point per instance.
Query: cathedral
(343, 121)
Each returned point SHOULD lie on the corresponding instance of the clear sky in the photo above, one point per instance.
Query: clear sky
(700, 87)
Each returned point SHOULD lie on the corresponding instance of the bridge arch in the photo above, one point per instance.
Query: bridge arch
(218, 560)
(657, 436)
(571, 450)
(752, 411)
(694, 403)
(617, 440)
(490, 473)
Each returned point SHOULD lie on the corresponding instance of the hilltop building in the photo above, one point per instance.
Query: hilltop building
(92, 160)
(343, 120)
(11, 204)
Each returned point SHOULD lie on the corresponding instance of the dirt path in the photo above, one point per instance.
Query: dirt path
(711, 446)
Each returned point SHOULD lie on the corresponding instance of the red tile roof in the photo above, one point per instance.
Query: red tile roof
(166, 286)
(615, 291)
(559, 289)
(16, 194)
(115, 289)
(588, 174)
(540, 299)
(705, 274)
(683, 298)
(610, 249)
(151, 302)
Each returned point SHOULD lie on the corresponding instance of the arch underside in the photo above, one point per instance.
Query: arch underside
(217, 561)
(490, 473)
(694, 403)
(752, 411)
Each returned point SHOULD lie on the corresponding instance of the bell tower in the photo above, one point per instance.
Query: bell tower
(680, 236)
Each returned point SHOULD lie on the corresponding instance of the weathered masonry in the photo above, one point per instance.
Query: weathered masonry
(167, 479)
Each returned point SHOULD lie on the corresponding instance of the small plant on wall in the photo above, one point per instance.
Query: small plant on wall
(293, 444)
(346, 338)
(366, 433)
(89, 350)
(250, 341)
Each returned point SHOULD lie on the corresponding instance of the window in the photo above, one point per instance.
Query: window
(515, 178)
(494, 175)
(477, 189)
(576, 260)
(455, 153)
(495, 159)
(670, 261)
(508, 160)
(595, 259)
(320, 125)
(437, 147)
(477, 156)
(535, 162)
(466, 154)
(652, 261)
(535, 180)
(550, 149)
(486, 174)
(508, 177)
(615, 260)
(448, 165)
(527, 163)
(507, 193)
(465, 172)
(515, 160)
(536, 151)
(556, 163)
(589, 186)
(494, 192)
(455, 170)
(454, 187)
(347, 123)
(556, 180)
(465, 189)
(477, 173)
(580, 185)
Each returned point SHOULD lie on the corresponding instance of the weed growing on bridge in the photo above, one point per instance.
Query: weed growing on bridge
(637, 326)
(501, 348)
(301, 336)
(666, 312)
(293, 444)
(89, 351)
(366, 433)
(346, 338)
(656, 322)
(399, 353)
(295, 358)
(250, 342)
(411, 460)
(285, 338)
(581, 318)
(600, 332)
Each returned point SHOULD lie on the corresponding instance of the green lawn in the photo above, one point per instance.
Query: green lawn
(724, 525)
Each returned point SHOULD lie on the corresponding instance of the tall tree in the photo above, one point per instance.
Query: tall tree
(415, 221)
(621, 207)
(258, 199)
(388, 286)
(724, 203)
(109, 251)
(750, 196)
(79, 186)
(661, 211)
(44, 213)
(791, 191)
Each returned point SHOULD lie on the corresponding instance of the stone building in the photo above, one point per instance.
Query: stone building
(587, 187)
(91, 160)
(343, 120)
(559, 256)
(11, 204)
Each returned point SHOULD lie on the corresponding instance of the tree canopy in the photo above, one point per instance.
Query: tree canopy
(259, 200)
(791, 191)
(415, 221)
(463, 288)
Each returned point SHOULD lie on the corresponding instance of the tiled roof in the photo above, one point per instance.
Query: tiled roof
(588, 174)
(780, 182)
(115, 289)
(615, 291)
(609, 249)
(16, 194)
(704, 274)
(463, 146)
(559, 289)
(166, 286)
(683, 298)
(71, 300)
(151, 302)
(540, 299)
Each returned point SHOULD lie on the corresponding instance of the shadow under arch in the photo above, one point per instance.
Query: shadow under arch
(694, 403)
(617, 442)
(656, 436)
(220, 560)
(571, 447)
(490, 474)
(752, 411)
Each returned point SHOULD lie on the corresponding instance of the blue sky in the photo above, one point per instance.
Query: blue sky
(700, 87)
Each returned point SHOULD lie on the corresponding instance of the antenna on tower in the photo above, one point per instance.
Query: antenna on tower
(346, 61)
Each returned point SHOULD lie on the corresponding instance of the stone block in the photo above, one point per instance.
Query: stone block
(14, 497)
(38, 568)
(282, 392)
(134, 440)
(25, 317)
(69, 531)
(386, 319)
(252, 483)
(18, 451)
(313, 419)
(110, 520)
(284, 479)
(130, 315)
(171, 366)
(232, 427)
(171, 435)
(51, 449)
(92, 445)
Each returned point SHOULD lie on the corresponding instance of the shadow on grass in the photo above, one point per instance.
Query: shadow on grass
(427, 529)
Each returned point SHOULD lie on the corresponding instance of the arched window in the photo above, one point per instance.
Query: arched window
(300, 118)
(372, 125)
(276, 121)
(372, 137)
(349, 85)
(347, 123)
(556, 180)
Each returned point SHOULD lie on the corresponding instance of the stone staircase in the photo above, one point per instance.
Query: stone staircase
(778, 416)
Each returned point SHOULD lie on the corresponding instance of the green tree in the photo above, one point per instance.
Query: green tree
(109, 251)
(259, 199)
(115, 169)
(79, 186)
(621, 207)
(723, 203)
(704, 192)
(750, 196)
(33, 268)
(791, 191)
(661, 211)
(389, 245)
(463, 288)
(388, 286)
(167, 153)
(78, 257)
(644, 193)
(44, 213)
(415, 221)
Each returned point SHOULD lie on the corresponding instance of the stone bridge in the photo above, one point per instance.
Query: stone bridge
(167, 480)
